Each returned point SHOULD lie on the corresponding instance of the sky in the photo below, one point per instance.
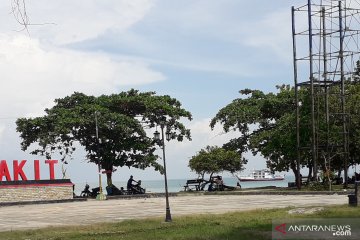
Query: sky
(201, 52)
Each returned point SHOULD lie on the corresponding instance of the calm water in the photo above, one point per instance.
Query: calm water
(176, 185)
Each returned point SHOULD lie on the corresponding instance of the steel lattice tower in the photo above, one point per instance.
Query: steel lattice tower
(325, 51)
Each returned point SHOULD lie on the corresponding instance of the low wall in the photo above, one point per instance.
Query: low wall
(36, 190)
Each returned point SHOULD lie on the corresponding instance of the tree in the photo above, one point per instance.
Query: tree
(18, 9)
(266, 125)
(214, 159)
(121, 122)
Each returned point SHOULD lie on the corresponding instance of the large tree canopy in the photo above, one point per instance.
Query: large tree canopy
(267, 125)
(120, 120)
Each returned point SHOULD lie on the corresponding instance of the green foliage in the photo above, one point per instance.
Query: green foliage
(214, 160)
(318, 186)
(267, 125)
(121, 119)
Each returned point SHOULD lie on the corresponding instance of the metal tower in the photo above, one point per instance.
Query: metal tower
(325, 51)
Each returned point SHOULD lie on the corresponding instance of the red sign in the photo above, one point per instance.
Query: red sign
(19, 172)
(281, 228)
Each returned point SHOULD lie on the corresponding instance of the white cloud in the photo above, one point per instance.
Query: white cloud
(2, 128)
(211, 36)
(272, 32)
(33, 75)
(68, 21)
(179, 153)
(39, 68)
(206, 136)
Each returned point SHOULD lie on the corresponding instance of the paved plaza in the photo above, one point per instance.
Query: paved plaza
(92, 211)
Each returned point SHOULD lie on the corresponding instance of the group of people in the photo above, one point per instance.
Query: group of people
(133, 187)
(217, 184)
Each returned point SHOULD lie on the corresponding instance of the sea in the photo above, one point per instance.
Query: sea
(177, 185)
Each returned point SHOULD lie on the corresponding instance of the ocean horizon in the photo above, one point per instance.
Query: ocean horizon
(177, 185)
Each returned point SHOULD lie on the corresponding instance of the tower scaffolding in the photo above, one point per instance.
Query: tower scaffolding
(325, 37)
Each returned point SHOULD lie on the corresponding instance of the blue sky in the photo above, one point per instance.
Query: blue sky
(201, 52)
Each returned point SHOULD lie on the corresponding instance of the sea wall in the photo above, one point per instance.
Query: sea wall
(36, 190)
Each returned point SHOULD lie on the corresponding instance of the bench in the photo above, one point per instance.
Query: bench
(193, 184)
(304, 181)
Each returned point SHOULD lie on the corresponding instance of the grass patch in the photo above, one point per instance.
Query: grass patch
(235, 225)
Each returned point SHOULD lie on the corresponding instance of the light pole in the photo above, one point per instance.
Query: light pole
(168, 137)
(101, 195)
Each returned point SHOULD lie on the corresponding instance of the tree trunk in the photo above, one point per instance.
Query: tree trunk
(295, 174)
(339, 173)
(295, 171)
(210, 176)
(310, 174)
(109, 177)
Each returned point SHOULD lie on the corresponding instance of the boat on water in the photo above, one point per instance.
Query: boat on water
(260, 175)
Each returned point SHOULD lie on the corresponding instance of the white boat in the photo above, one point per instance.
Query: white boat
(260, 175)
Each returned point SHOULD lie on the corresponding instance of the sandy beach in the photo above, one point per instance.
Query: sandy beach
(92, 211)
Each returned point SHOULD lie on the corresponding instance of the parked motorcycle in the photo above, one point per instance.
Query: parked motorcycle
(136, 189)
(87, 193)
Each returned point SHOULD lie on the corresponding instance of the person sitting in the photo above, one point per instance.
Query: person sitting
(137, 189)
(113, 190)
(219, 183)
(130, 185)
(86, 192)
(95, 192)
(357, 176)
(211, 187)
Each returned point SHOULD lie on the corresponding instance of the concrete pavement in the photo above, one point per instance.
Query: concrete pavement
(92, 211)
